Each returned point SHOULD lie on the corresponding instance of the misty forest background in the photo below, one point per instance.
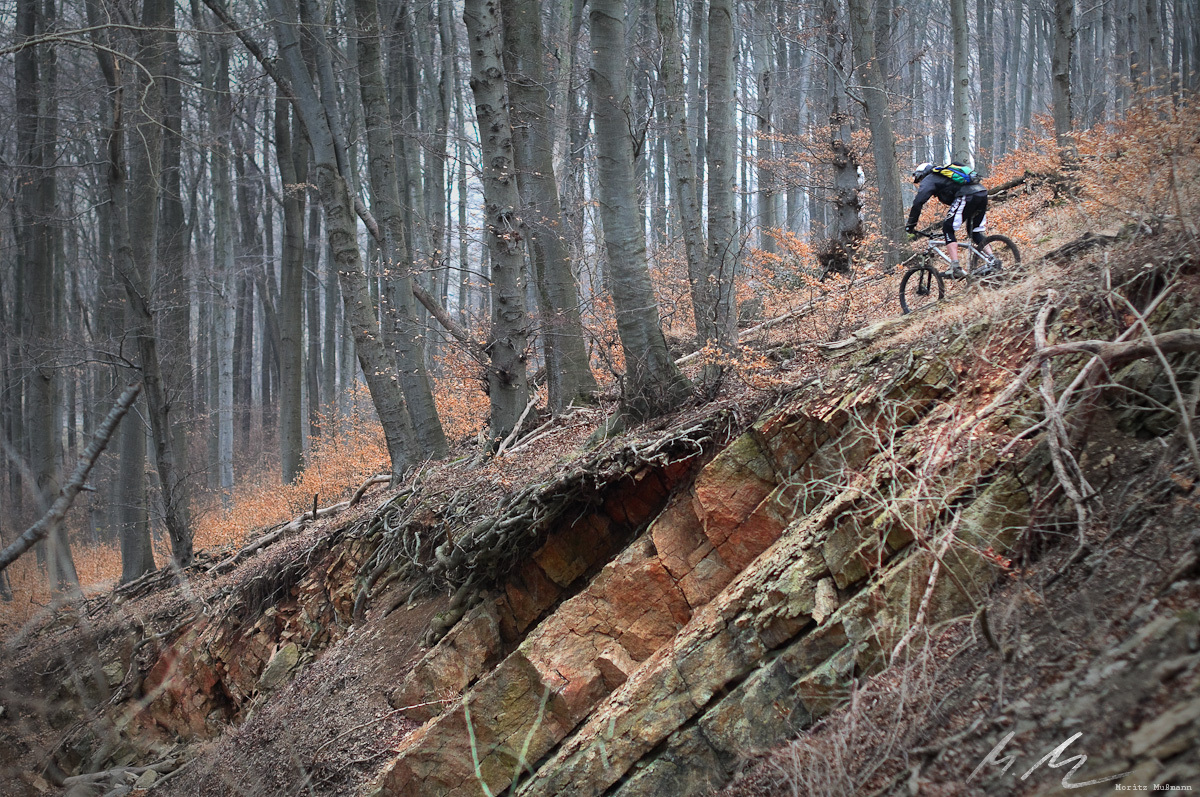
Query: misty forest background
(340, 235)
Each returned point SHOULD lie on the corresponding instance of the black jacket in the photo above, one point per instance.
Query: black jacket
(945, 189)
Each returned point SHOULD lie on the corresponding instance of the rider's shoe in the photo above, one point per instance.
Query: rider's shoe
(956, 271)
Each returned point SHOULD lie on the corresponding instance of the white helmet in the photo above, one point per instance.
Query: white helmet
(922, 171)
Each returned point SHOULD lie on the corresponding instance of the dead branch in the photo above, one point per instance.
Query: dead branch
(1118, 352)
(1058, 439)
(1089, 240)
(516, 430)
(1114, 353)
(432, 305)
(87, 460)
(296, 524)
(1185, 421)
(116, 773)
(382, 478)
(930, 585)
(788, 316)
(1013, 183)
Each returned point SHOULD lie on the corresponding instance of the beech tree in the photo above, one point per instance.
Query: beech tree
(318, 110)
(569, 378)
(508, 385)
(653, 383)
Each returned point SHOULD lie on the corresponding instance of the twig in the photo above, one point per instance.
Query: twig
(516, 430)
(1057, 438)
(1114, 353)
(376, 721)
(788, 316)
(1157, 347)
(87, 460)
(919, 621)
(296, 524)
(383, 478)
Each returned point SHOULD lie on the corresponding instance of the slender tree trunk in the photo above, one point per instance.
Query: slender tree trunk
(697, 97)
(767, 76)
(568, 376)
(173, 321)
(879, 117)
(683, 173)
(36, 90)
(341, 223)
(225, 275)
(1030, 43)
(847, 205)
(508, 388)
(724, 242)
(133, 520)
(293, 160)
(318, 391)
(401, 327)
(1064, 34)
(137, 264)
(961, 146)
(653, 384)
(985, 17)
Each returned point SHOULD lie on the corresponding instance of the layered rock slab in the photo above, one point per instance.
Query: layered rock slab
(636, 613)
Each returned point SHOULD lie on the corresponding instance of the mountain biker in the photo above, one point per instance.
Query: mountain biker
(968, 205)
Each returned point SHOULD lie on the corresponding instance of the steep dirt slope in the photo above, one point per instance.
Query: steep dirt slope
(894, 532)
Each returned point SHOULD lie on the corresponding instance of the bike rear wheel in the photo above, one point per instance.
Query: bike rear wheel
(1006, 261)
(921, 287)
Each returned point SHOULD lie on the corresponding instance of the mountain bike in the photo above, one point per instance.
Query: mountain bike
(923, 284)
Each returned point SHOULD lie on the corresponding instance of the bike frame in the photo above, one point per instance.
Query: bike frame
(935, 246)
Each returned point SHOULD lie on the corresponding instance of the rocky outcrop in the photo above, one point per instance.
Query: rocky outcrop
(748, 605)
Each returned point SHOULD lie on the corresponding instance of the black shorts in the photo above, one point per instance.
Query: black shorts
(971, 210)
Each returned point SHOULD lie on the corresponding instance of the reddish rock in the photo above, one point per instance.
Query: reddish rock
(462, 656)
(530, 593)
(569, 553)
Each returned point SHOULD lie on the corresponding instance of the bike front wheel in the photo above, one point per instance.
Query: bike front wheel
(921, 286)
(1006, 260)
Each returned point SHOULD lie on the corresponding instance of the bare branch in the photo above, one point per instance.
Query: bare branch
(87, 461)
(1118, 353)
(431, 304)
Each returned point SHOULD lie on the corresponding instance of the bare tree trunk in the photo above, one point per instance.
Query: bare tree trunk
(508, 388)
(1064, 35)
(960, 150)
(36, 78)
(765, 63)
(401, 327)
(846, 228)
(568, 376)
(329, 158)
(985, 19)
(292, 156)
(683, 172)
(653, 384)
(724, 242)
(879, 117)
(697, 97)
(133, 520)
(137, 257)
(319, 358)
(225, 275)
